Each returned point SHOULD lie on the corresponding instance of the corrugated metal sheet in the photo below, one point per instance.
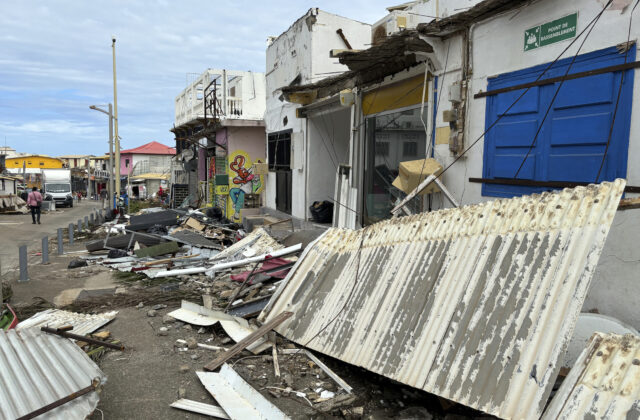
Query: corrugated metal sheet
(83, 324)
(604, 383)
(258, 240)
(474, 304)
(37, 369)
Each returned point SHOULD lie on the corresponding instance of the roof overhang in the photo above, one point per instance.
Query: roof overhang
(394, 54)
(462, 20)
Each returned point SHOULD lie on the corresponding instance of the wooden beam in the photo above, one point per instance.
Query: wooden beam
(619, 67)
(629, 203)
(247, 341)
(542, 184)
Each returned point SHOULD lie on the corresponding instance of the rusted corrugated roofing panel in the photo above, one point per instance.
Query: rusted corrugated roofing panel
(604, 383)
(37, 369)
(474, 304)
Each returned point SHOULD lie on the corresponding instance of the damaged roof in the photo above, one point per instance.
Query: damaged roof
(394, 54)
(37, 369)
(474, 304)
(604, 383)
(481, 11)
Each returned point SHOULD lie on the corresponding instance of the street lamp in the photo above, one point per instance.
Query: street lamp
(111, 119)
(115, 115)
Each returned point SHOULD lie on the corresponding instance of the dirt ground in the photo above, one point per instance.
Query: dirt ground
(153, 371)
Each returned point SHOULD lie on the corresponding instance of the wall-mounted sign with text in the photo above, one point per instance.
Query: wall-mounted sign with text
(551, 32)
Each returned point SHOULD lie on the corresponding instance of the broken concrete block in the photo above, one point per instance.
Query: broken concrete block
(163, 331)
(167, 319)
(192, 343)
(140, 305)
(151, 313)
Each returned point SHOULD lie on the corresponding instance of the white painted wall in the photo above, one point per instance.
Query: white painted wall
(303, 50)
(498, 48)
(328, 147)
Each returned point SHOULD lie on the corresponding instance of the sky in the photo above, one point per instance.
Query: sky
(55, 61)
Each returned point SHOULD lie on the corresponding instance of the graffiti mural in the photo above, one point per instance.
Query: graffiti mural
(242, 181)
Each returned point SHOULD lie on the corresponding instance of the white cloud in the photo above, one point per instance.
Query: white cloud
(55, 61)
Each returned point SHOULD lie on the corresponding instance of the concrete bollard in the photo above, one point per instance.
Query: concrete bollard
(45, 250)
(22, 256)
(70, 233)
(91, 218)
(60, 247)
(86, 222)
(79, 225)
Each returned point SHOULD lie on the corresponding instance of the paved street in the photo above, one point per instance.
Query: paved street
(17, 230)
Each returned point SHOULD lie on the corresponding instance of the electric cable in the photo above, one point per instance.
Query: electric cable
(615, 111)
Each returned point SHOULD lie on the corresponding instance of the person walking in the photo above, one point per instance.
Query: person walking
(34, 201)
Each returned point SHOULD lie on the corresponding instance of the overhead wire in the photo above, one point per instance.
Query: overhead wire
(615, 111)
(359, 251)
(553, 99)
(495, 122)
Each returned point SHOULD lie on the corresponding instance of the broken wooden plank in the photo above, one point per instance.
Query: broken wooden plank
(242, 344)
(322, 366)
(161, 249)
(168, 260)
(335, 402)
(195, 224)
(274, 352)
(629, 203)
(329, 372)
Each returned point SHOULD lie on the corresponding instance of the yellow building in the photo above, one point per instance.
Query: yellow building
(34, 161)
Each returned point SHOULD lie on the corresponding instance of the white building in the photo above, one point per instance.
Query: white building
(483, 69)
(298, 155)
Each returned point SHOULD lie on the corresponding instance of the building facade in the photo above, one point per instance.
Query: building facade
(302, 152)
(515, 97)
(219, 129)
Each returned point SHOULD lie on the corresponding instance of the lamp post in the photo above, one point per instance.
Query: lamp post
(110, 188)
(115, 116)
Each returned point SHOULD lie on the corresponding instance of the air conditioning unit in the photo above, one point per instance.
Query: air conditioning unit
(396, 21)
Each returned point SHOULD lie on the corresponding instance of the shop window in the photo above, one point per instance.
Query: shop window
(387, 144)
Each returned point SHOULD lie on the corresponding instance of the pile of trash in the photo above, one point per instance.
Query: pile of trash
(196, 250)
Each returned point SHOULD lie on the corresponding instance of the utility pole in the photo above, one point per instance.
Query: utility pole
(111, 189)
(115, 117)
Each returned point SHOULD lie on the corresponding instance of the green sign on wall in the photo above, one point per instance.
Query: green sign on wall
(551, 32)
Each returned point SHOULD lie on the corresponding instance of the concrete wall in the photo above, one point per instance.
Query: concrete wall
(249, 139)
(303, 50)
(328, 147)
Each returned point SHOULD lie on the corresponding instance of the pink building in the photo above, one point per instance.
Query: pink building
(152, 157)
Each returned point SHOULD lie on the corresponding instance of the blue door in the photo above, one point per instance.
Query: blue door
(572, 140)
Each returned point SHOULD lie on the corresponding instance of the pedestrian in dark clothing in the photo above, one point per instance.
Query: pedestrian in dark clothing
(34, 201)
